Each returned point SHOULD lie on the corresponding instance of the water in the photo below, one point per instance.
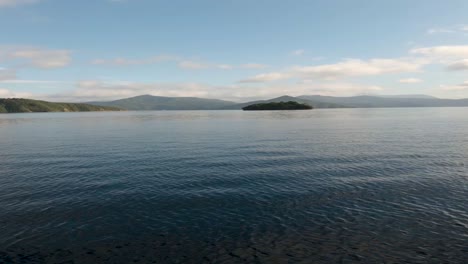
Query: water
(345, 185)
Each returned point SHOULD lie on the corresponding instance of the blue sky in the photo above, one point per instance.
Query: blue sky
(107, 49)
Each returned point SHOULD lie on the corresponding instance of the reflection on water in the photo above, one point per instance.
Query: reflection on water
(334, 185)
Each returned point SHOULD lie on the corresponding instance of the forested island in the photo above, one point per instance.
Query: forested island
(16, 105)
(290, 105)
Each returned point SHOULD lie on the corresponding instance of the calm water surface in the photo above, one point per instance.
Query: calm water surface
(345, 185)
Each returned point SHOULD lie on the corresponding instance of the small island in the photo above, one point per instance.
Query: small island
(19, 105)
(291, 105)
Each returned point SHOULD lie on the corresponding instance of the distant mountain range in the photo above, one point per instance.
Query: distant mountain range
(28, 106)
(366, 101)
(415, 96)
(149, 102)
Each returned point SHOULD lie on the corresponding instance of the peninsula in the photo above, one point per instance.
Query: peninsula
(290, 105)
(16, 105)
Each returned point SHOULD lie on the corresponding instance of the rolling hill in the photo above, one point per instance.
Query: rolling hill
(149, 102)
(28, 106)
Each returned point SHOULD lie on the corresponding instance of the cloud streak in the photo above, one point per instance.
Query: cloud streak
(356, 67)
(5, 93)
(129, 62)
(36, 57)
(454, 88)
(460, 65)
(455, 51)
(448, 30)
(193, 65)
(254, 66)
(91, 90)
(343, 69)
(182, 63)
(410, 80)
(6, 74)
(267, 77)
(298, 52)
(455, 58)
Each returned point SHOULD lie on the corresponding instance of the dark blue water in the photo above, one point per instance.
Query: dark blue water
(347, 185)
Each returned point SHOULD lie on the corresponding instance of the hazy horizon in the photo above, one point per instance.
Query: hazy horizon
(243, 99)
(112, 49)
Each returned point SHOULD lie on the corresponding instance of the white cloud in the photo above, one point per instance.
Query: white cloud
(298, 52)
(338, 88)
(267, 77)
(433, 31)
(224, 67)
(346, 68)
(192, 65)
(36, 57)
(455, 51)
(410, 80)
(12, 81)
(458, 65)
(454, 57)
(460, 29)
(128, 62)
(182, 63)
(254, 66)
(5, 93)
(356, 67)
(91, 90)
(459, 87)
(196, 65)
(10, 3)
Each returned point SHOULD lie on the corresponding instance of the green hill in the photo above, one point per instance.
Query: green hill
(290, 105)
(14, 105)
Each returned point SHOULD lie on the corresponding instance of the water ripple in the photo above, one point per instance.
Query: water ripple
(374, 185)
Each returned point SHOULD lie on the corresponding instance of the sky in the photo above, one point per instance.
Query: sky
(64, 50)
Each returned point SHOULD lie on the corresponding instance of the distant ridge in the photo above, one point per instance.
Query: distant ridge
(366, 101)
(409, 96)
(150, 102)
(17, 105)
